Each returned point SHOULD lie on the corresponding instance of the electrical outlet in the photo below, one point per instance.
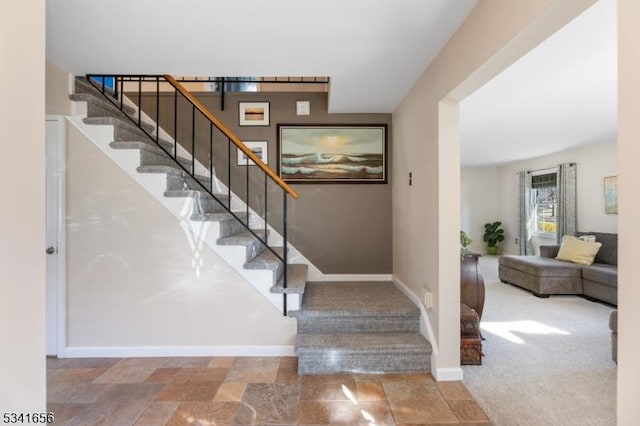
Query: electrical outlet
(427, 298)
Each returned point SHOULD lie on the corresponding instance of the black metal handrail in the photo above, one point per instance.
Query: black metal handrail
(198, 136)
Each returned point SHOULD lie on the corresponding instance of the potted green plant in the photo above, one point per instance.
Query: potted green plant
(493, 234)
(465, 241)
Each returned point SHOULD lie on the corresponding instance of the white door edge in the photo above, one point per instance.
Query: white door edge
(57, 341)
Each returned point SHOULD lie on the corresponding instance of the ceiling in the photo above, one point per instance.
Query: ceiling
(561, 94)
(373, 50)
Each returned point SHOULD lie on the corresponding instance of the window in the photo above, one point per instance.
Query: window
(544, 193)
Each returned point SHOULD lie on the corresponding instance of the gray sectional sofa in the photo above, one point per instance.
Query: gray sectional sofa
(544, 275)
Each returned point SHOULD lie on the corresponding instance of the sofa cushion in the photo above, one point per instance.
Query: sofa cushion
(602, 274)
(576, 250)
(541, 266)
(608, 253)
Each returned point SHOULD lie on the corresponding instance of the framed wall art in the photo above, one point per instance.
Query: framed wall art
(253, 113)
(611, 195)
(259, 148)
(332, 153)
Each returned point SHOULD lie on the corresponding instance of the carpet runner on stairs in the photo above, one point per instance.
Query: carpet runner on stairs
(359, 327)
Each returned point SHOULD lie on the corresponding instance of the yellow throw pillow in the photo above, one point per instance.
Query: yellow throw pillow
(575, 250)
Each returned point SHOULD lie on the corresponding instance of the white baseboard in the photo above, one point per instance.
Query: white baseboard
(447, 374)
(356, 277)
(426, 324)
(175, 351)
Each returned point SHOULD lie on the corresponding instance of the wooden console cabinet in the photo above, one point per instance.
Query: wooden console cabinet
(471, 283)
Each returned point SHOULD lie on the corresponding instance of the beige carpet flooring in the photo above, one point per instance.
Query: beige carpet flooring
(547, 361)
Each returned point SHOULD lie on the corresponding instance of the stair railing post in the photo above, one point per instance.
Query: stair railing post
(157, 110)
(139, 100)
(284, 255)
(193, 141)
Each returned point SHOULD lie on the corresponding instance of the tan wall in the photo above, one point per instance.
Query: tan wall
(22, 218)
(135, 279)
(426, 237)
(478, 203)
(57, 90)
(628, 155)
(341, 228)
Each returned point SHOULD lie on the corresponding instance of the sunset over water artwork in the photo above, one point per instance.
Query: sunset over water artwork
(332, 153)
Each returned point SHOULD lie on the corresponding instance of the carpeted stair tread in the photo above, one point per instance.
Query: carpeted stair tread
(173, 170)
(296, 280)
(363, 342)
(113, 121)
(218, 217)
(356, 299)
(245, 238)
(182, 193)
(146, 145)
(98, 98)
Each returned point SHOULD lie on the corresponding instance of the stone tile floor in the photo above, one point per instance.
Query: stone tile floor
(245, 391)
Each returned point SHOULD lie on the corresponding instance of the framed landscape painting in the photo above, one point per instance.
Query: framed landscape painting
(611, 195)
(332, 153)
(259, 148)
(253, 113)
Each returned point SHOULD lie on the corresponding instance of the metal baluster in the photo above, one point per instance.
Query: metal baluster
(246, 166)
(175, 123)
(229, 172)
(211, 156)
(158, 110)
(265, 204)
(193, 140)
(121, 80)
(284, 238)
(139, 100)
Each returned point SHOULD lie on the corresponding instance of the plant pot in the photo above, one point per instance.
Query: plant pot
(492, 250)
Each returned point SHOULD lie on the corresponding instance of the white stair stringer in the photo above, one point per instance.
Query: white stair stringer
(198, 232)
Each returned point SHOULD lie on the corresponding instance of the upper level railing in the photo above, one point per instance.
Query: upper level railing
(201, 147)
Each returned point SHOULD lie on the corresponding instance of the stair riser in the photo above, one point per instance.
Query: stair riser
(230, 227)
(151, 158)
(125, 133)
(207, 205)
(338, 324)
(186, 182)
(336, 362)
(254, 249)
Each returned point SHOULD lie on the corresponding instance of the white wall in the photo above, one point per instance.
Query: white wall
(594, 162)
(22, 219)
(138, 283)
(426, 215)
(478, 203)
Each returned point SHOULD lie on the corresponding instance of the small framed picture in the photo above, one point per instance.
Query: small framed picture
(259, 148)
(254, 113)
(611, 195)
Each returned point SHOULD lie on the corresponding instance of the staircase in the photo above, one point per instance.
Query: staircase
(342, 326)
(359, 327)
(232, 229)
